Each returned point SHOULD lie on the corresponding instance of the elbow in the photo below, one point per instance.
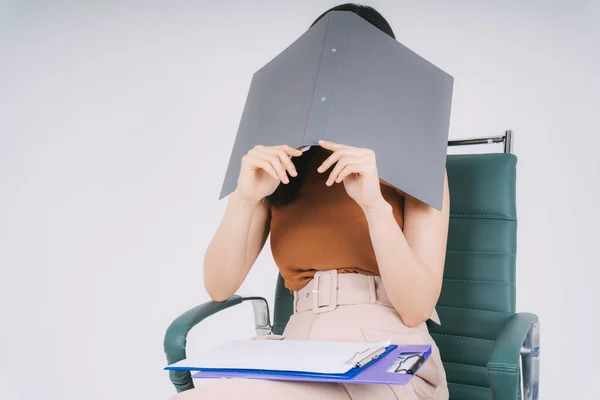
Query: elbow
(218, 298)
(217, 287)
(412, 321)
(411, 314)
(414, 318)
(221, 279)
(218, 295)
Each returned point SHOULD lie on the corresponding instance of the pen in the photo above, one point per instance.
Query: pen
(370, 357)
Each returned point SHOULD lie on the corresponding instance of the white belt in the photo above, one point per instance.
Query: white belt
(328, 289)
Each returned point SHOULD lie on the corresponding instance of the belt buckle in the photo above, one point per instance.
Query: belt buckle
(332, 294)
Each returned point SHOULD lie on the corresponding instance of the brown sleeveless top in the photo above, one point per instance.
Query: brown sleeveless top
(323, 228)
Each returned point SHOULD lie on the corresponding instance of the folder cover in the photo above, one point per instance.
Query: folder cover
(345, 81)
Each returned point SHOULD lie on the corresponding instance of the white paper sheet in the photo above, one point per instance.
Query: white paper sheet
(282, 355)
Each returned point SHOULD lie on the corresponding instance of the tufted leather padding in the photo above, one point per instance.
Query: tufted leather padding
(478, 294)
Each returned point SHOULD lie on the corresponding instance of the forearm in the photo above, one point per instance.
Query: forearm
(225, 258)
(409, 283)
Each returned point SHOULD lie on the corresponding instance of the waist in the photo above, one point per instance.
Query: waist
(329, 289)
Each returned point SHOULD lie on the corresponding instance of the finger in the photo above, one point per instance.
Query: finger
(332, 159)
(264, 165)
(290, 150)
(349, 169)
(262, 153)
(333, 177)
(273, 157)
(276, 163)
(335, 157)
(330, 145)
(283, 157)
(289, 165)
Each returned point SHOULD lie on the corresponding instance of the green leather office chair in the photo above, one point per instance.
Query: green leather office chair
(488, 350)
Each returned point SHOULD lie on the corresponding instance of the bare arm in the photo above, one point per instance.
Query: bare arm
(245, 226)
(411, 263)
(235, 247)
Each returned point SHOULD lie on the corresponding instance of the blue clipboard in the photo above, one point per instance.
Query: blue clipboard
(378, 371)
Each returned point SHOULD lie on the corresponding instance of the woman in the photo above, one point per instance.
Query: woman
(332, 219)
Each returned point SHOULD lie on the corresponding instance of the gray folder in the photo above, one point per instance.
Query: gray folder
(345, 81)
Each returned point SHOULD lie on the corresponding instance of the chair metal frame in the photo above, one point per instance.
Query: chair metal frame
(530, 363)
(530, 351)
(506, 138)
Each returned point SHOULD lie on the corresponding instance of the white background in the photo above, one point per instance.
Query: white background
(116, 123)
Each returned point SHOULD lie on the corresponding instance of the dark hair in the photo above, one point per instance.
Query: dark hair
(285, 194)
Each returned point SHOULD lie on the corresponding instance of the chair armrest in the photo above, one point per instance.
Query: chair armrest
(176, 336)
(518, 337)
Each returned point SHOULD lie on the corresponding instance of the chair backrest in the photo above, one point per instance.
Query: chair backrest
(478, 293)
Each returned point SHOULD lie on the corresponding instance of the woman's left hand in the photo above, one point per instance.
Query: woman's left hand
(357, 168)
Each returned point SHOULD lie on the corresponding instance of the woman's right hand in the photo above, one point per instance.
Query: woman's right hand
(263, 169)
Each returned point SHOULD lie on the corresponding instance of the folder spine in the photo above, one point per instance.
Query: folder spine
(327, 80)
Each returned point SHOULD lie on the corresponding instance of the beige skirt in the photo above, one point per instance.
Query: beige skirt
(340, 307)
